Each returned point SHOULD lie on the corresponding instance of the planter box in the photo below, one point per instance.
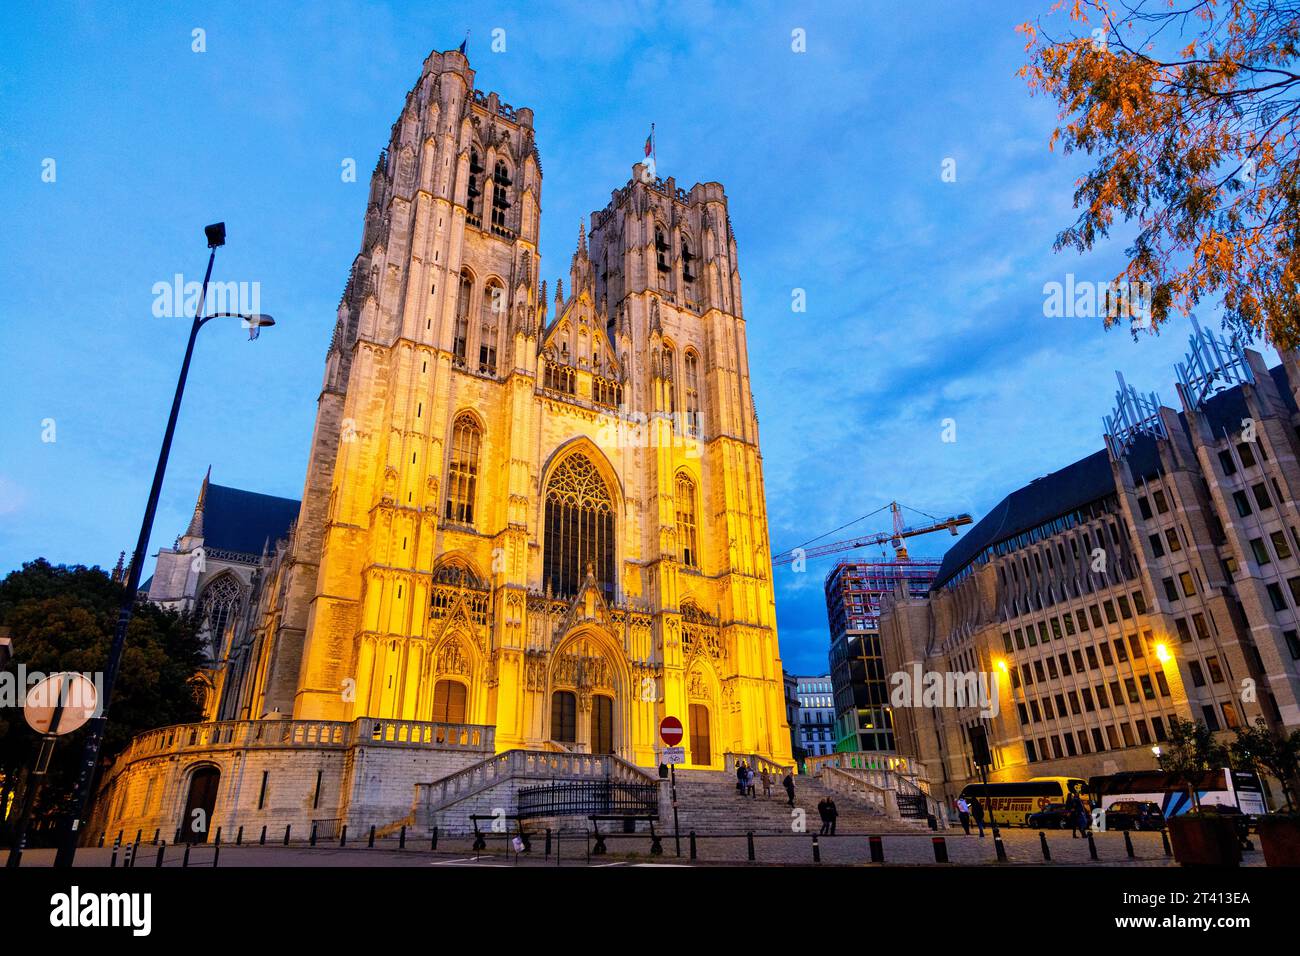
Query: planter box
(1279, 838)
(1204, 840)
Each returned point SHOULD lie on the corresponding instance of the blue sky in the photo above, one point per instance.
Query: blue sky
(924, 297)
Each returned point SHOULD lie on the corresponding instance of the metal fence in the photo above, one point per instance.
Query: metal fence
(587, 797)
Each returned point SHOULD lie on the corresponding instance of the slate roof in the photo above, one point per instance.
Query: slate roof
(1085, 481)
(243, 521)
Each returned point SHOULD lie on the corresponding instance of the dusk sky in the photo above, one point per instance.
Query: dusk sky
(924, 296)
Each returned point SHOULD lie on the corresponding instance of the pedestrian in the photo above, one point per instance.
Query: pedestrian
(788, 783)
(832, 813)
(749, 783)
(740, 777)
(977, 811)
(823, 812)
(767, 784)
(1077, 814)
(963, 814)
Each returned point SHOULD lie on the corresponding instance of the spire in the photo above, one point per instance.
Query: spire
(119, 572)
(196, 523)
(559, 296)
(581, 278)
(582, 238)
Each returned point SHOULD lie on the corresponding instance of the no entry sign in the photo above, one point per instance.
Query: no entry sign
(670, 730)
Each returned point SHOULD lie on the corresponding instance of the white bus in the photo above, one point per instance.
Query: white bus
(1238, 789)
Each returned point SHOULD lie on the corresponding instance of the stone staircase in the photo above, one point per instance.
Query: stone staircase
(707, 802)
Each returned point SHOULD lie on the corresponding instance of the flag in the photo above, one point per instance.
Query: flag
(647, 144)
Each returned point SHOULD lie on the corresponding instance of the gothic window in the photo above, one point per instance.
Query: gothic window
(692, 362)
(687, 259)
(559, 378)
(606, 392)
(564, 716)
(449, 698)
(494, 306)
(579, 528)
(685, 496)
(670, 387)
(462, 470)
(461, 332)
(218, 606)
(661, 250)
(500, 200)
(475, 192)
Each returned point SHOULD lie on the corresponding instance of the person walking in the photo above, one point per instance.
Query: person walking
(788, 783)
(824, 813)
(963, 814)
(749, 783)
(1077, 815)
(740, 777)
(767, 784)
(832, 813)
(977, 811)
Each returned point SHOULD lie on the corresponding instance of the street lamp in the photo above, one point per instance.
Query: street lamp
(81, 794)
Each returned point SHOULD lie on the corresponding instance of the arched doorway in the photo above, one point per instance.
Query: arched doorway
(602, 724)
(202, 800)
(701, 751)
(564, 717)
(450, 698)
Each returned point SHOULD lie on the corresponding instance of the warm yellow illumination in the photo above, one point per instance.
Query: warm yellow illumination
(1162, 652)
(1002, 664)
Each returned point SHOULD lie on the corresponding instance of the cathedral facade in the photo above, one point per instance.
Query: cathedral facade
(539, 516)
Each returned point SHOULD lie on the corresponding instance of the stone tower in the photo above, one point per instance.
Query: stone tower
(550, 524)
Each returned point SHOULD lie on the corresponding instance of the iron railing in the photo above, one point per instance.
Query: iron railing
(587, 797)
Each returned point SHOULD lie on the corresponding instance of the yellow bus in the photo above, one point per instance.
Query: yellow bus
(1012, 803)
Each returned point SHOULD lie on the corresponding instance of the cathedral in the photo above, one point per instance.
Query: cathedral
(532, 522)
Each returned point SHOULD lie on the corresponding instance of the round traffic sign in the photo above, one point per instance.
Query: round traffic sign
(670, 729)
(74, 696)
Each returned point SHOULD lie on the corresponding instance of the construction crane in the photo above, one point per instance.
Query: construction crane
(894, 537)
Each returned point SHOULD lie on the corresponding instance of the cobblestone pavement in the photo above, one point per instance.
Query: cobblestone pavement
(1023, 848)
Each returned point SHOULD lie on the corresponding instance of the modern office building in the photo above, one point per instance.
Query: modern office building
(816, 715)
(1156, 578)
(854, 592)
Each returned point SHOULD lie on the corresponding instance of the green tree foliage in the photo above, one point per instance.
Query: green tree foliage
(62, 618)
(1263, 749)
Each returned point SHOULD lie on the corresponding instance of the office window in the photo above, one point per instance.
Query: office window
(1065, 664)
(1144, 735)
(1068, 620)
(1082, 619)
(1202, 631)
(1127, 730)
(1188, 585)
(1242, 503)
(1121, 652)
(1130, 685)
(1148, 689)
(1024, 714)
(1162, 683)
(1098, 744)
(1074, 702)
(1106, 657)
(1230, 718)
(1275, 596)
(1135, 647)
(1246, 455)
(1110, 612)
(1102, 700)
(1216, 672)
(1051, 669)
(1211, 717)
(1292, 644)
(1140, 602)
(1171, 536)
(1112, 737)
(1144, 508)
(1157, 546)
(1260, 550)
(1227, 464)
(1096, 616)
(1092, 658)
(1262, 499)
(1198, 676)
(1158, 726)
(1029, 751)
(1162, 505)
(1171, 592)
(1280, 546)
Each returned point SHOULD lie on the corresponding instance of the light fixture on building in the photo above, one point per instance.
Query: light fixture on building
(1162, 652)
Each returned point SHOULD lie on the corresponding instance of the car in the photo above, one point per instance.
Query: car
(1134, 815)
(1054, 816)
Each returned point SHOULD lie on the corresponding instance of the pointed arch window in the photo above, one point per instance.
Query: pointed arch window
(692, 363)
(475, 191)
(491, 310)
(462, 470)
(219, 605)
(460, 334)
(661, 250)
(686, 529)
(687, 258)
(500, 198)
(579, 528)
(670, 386)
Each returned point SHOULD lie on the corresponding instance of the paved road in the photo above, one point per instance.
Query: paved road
(1022, 846)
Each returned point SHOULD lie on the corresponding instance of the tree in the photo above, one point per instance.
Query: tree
(1277, 754)
(1190, 110)
(1191, 750)
(61, 619)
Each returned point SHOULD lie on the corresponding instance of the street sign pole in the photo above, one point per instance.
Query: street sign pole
(670, 732)
(677, 830)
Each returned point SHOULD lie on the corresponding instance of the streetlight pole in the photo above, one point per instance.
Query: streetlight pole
(81, 794)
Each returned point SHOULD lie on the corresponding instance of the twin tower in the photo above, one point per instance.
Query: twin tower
(544, 517)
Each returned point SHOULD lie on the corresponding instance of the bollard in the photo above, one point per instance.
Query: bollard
(156, 834)
(128, 856)
(1128, 845)
(817, 850)
(239, 837)
(940, 849)
(311, 840)
(218, 839)
(343, 836)
(371, 843)
(287, 828)
(162, 851)
(262, 840)
(434, 845)
(1042, 839)
(401, 839)
(216, 854)
(113, 861)
(101, 840)
(749, 839)
(135, 852)
(1164, 838)
(877, 846)
(693, 853)
(548, 843)
(1001, 849)
(138, 833)
(177, 838)
(1092, 846)
(186, 861)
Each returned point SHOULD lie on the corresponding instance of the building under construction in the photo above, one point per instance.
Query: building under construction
(854, 590)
